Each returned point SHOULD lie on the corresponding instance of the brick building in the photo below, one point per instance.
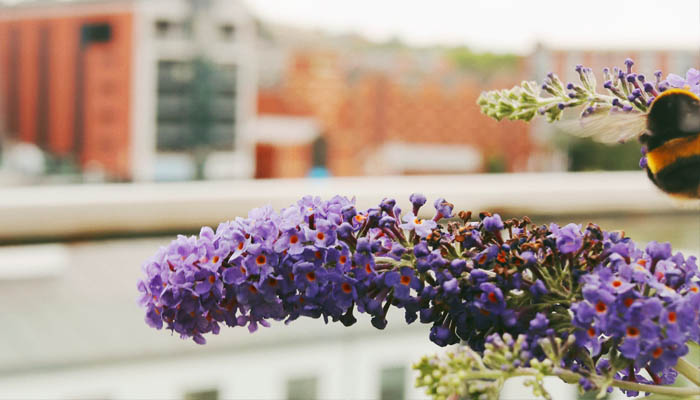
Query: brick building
(385, 113)
(374, 122)
(138, 89)
(167, 89)
(62, 83)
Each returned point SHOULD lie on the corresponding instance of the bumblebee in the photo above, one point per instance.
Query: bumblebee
(670, 130)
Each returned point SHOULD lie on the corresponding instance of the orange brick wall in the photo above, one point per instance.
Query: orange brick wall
(106, 84)
(107, 90)
(359, 116)
(282, 161)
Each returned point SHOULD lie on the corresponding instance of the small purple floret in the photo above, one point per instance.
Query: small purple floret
(493, 223)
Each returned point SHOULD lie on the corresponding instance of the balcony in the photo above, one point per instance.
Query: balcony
(73, 328)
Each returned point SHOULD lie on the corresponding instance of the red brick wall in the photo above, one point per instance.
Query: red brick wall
(107, 91)
(107, 77)
(282, 161)
(358, 116)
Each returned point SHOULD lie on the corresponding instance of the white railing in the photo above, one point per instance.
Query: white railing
(84, 210)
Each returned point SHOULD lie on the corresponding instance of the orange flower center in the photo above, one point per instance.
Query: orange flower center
(261, 259)
(368, 268)
(320, 236)
(502, 257)
(343, 259)
(672, 317)
(272, 282)
(628, 301)
(632, 331)
(346, 287)
(493, 298)
(253, 289)
(591, 332)
(617, 283)
(294, 239)
(657, 352)
(311, 276)
(405, 280)
(417, 221)
(600, 307)
(212, 279)
(240, 246)
(215, 259)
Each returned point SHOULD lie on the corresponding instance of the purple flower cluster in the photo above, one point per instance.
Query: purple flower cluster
(468, 279)
(630, 91)
(644, 302)
(626, 91)
(691, 81)
(316, 258)
(327, 259)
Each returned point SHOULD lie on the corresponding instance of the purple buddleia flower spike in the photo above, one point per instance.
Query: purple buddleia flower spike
(587, 291)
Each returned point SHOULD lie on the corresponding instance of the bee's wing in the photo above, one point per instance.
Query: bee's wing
(615, 127)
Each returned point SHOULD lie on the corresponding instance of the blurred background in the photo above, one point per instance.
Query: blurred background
(123, 122)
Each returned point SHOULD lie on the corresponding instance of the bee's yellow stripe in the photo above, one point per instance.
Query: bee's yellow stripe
(666, 154)
(669, 92)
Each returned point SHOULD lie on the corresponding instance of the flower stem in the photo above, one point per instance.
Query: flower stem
(688, 370)
(681, 392)
(572, 377)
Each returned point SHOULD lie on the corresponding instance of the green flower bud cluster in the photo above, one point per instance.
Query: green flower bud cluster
(519, 103)
(464, 374)
(537, 380)
(504, 353)
(460, 374)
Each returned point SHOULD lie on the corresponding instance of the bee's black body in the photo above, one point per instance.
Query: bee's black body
(673, 143)
(681, 177)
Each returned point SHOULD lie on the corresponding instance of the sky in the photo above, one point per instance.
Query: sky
(500, 25)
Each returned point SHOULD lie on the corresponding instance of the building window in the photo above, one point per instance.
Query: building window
(196, 106)
(210, 394)
(162, 27)
(392, 383)
(95, 33)
(227, 32)
(172, 29)
(302, 389)
(318, 153)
